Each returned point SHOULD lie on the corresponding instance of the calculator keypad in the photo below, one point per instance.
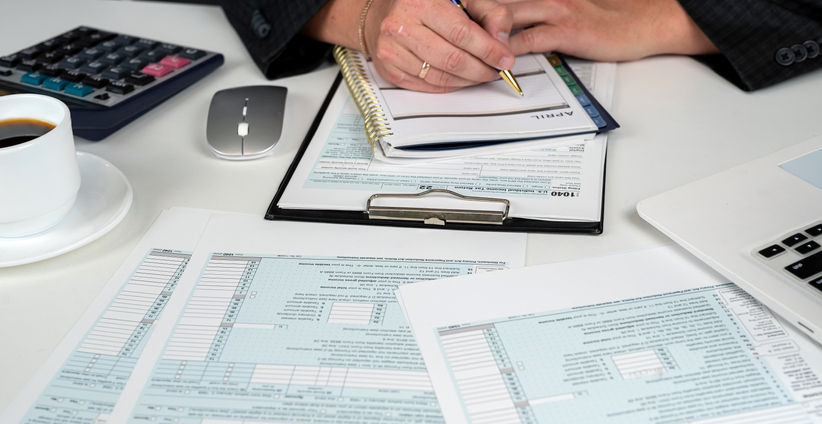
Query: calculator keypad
(96, 66)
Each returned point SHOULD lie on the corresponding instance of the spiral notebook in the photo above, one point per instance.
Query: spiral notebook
(481, 119)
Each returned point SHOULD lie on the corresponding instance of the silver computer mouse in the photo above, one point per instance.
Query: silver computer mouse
(245, 122)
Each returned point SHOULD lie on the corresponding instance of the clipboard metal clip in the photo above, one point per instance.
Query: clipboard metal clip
(438, 216)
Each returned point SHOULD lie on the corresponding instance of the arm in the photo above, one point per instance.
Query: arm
(761, 42)
(746, 33)
(399, 36)
(271, 34)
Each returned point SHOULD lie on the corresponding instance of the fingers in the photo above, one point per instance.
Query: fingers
(405, 72)
(403, 33)
(461, 32)
(428, 45)
(534, 12)
(540, 38)
(494, 17)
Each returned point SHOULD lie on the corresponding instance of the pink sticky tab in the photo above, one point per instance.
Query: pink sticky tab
(175, 62)
(157, 69)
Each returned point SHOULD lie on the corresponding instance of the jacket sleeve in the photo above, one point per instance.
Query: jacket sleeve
(761, 42)
(270, 30)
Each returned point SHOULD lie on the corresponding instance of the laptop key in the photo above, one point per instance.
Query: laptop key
(807, 247)
(814, 231)
(792, 240)
(806, 267)
(816, 283)
(771, 251)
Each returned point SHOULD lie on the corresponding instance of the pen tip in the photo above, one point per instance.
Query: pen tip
(509, 78)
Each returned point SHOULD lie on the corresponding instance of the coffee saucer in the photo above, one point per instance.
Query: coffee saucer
(102, 202)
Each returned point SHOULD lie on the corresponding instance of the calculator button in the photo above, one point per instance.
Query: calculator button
(120, 87)
(72, 62)
(112, 58)
(99, 36)
(55, 84)
(52, 57)
(771, 251)
(134, 64)
(33, 78)
(132, 50)
(80, 90)
(96, 81)
(50, 44)
(168, 49)
(175, 62)
(94, 67)
(29, 53)
(5, 72)
(52, 70)
(102, 96)
(29, 65)
(806, 267)
(73, 75)
(814, 231)
(115, 73)
(91, 54)
(146, 43)
(10, 61)
(807, 247)
(792, 240)
(192, 54)
(70, 36)
(139, 78)
(69, 49)
(123, 40)
(157, 69)
(152, 56)
(108, 46)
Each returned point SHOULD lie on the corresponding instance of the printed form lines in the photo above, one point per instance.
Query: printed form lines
(478, 377)
(139, 302)
(350, 313)
(638, 364)
(301, 375)
(203, 316)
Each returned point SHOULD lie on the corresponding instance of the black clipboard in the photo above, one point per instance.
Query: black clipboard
(437, 218)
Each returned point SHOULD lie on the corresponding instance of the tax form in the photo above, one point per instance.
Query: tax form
(644, 337)
(561, 181)
(219, 317)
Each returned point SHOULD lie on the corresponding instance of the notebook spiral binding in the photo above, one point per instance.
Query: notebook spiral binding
(353, 71)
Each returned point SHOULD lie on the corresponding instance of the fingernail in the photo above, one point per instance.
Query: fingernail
(506, 63)
(502, 36)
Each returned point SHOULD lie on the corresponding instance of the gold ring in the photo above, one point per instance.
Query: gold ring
(424, 71)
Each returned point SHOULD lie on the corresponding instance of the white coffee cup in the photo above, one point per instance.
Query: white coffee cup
(39, 178)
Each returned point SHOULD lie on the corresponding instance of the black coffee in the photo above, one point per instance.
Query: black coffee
(16, 131)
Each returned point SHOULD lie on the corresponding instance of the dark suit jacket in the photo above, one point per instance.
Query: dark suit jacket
(761, 42)
(270, 31)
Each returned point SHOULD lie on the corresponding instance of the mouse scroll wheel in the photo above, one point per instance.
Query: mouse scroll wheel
(242, 129)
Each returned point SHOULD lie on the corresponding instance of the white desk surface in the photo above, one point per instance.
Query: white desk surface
(680, 122)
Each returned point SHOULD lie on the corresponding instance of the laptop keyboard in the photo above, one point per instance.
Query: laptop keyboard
(797, 254)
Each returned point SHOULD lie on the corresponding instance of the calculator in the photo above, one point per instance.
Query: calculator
(107, 79)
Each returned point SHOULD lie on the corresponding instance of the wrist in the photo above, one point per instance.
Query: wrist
(336, 23)
(684, 35)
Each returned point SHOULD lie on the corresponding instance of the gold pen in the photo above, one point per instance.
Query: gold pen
(506, 74)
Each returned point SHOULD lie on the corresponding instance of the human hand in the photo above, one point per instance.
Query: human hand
(606, 30)
(402, 34)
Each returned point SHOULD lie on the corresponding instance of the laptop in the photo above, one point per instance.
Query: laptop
(760, 225)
